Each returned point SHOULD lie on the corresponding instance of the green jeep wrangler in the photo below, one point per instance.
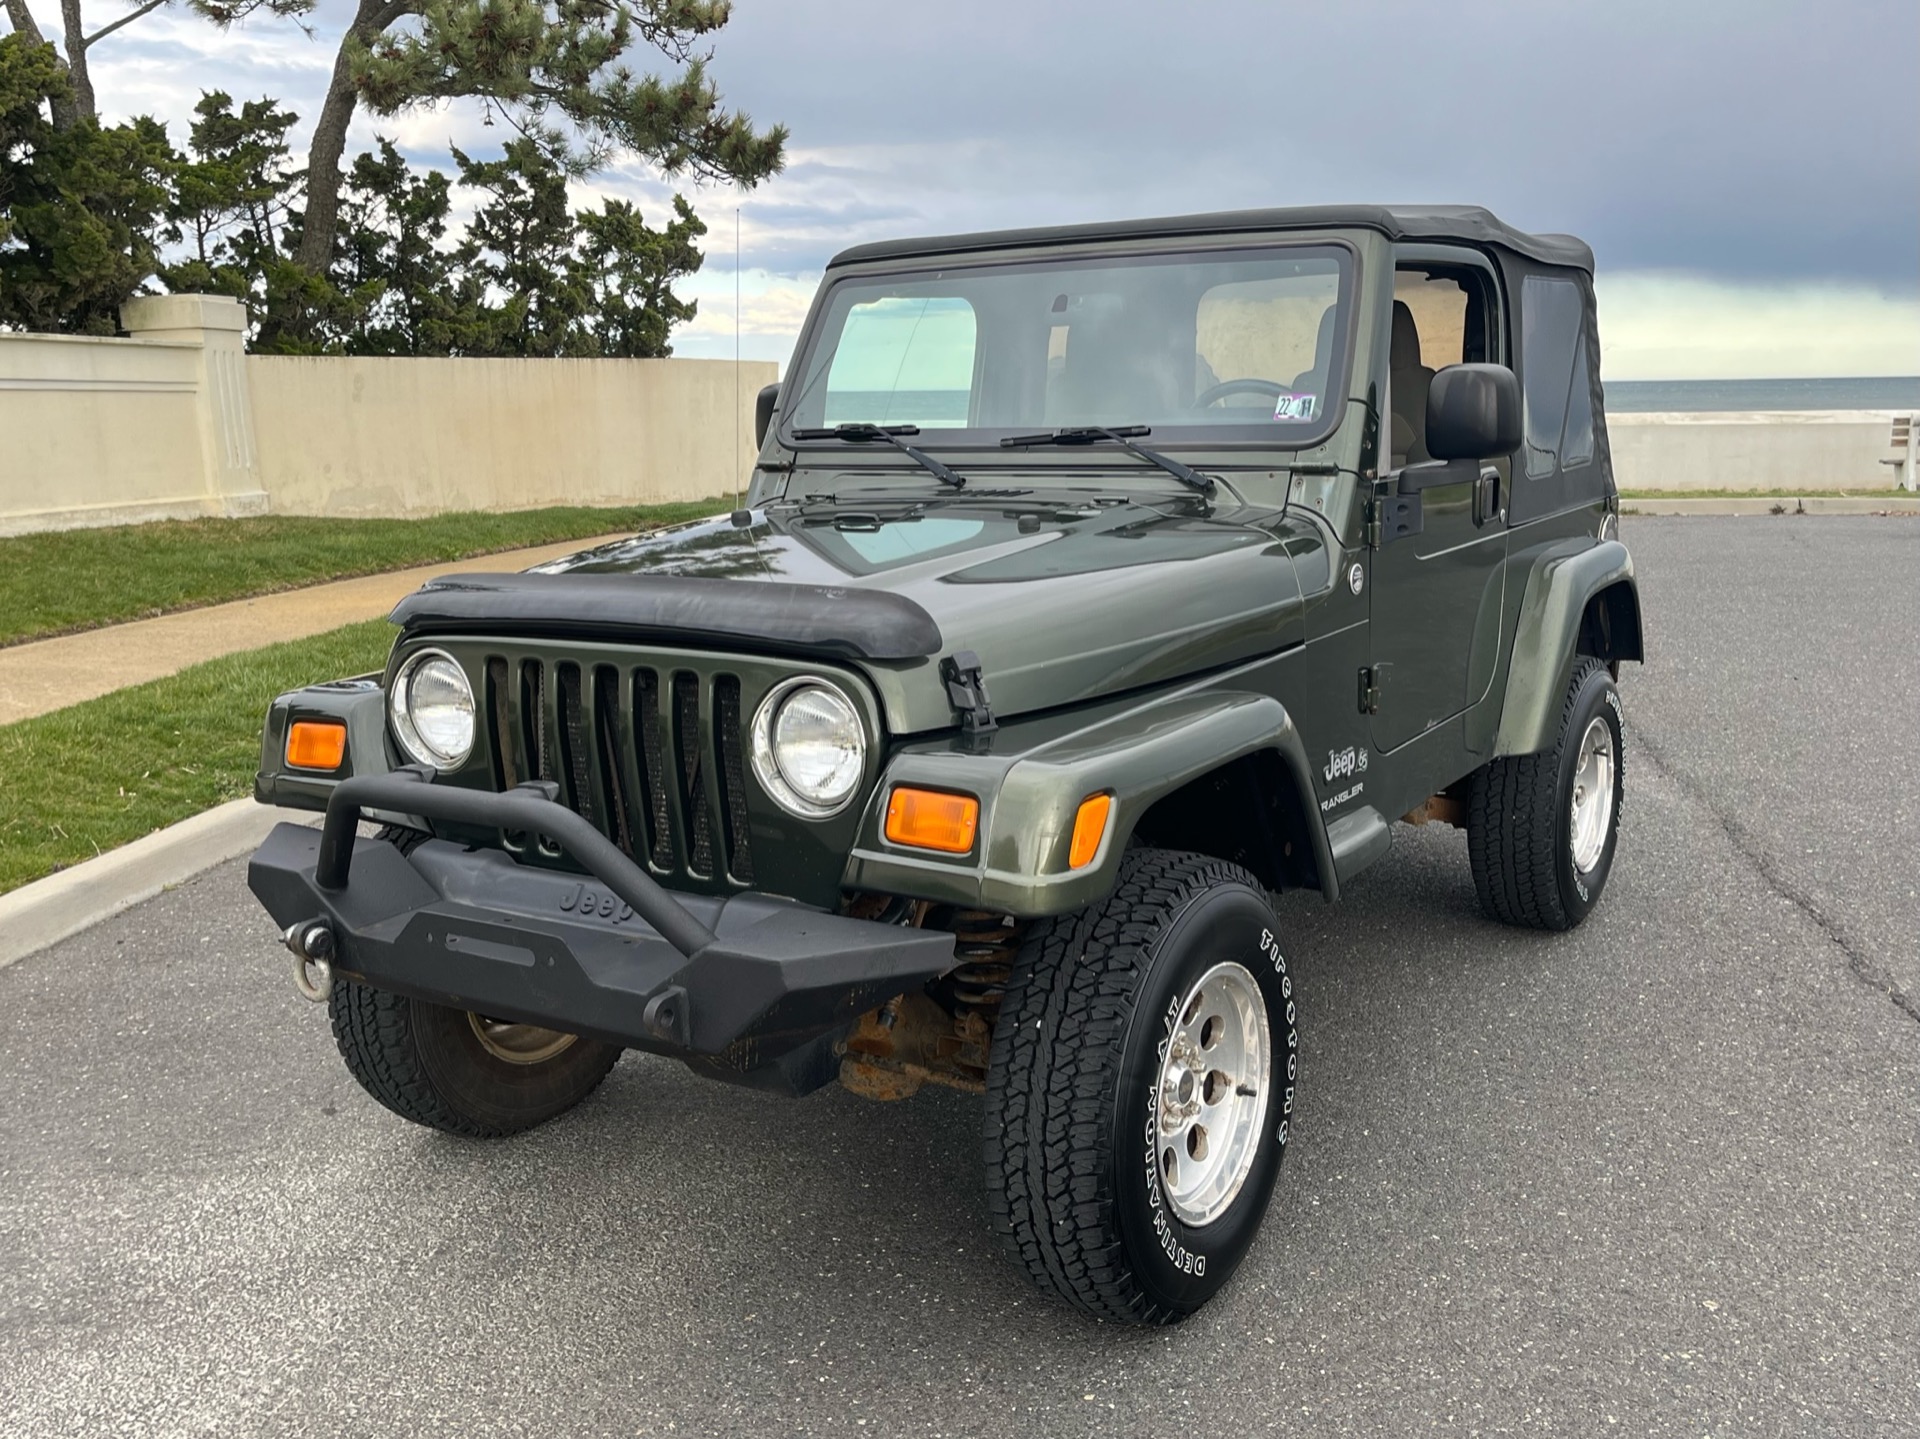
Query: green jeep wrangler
(1094, 583)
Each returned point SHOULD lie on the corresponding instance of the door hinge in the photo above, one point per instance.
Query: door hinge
(1373, 680)
(1393, 517)
(967, 692)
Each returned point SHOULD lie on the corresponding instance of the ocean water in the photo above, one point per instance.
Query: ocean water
(927, 408)
(1898, 393)
(932, 408)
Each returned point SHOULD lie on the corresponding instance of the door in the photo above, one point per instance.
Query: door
(1437, 594)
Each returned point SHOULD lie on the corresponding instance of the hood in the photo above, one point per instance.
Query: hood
(1064, 598)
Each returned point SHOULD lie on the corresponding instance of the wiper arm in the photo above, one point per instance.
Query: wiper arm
(861, 433)
(1088, 434)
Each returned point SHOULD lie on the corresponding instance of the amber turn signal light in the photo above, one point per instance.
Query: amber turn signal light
(1089, 828)
(930, 819)
(316, 744)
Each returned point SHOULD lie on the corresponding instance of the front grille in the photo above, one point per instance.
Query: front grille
(651, 757)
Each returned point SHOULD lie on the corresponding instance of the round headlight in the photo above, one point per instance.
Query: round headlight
(432, 708)
(809, 748)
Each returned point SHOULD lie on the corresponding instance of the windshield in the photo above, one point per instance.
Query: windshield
(1222, 347)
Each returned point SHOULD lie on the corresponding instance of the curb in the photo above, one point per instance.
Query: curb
(61, 905)
(1765, 505)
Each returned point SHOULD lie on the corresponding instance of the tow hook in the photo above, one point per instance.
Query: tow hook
(311, 943)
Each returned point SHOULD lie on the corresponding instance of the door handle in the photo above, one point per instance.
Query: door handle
(1486, 496)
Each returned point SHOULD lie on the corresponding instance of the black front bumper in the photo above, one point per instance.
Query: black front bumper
(750, 987)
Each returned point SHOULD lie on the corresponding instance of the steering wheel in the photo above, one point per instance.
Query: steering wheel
(1213, 394)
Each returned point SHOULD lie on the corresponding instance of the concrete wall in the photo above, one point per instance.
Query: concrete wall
(113, 431)
(1783, 450)
(342, 436)
(177, 422)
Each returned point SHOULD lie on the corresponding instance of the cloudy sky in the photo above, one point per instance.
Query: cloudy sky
(1747, 171)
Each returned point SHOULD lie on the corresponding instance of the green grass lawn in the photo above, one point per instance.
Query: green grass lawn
(86, 778)
(79, 579)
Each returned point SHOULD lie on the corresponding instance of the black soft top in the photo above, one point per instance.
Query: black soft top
(1470, 223)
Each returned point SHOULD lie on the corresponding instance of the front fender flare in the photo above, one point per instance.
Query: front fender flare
(1030, 784)
(1563, 579)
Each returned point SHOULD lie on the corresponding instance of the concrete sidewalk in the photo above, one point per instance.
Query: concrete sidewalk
(52, 674)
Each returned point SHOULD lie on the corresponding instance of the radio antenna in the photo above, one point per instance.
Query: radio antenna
(739, 412)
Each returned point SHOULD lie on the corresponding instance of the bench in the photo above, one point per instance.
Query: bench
(1901, 442)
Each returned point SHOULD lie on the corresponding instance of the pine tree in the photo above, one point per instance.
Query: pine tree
(556, 71)
(80, 206)
(75, 102)
(629, 272)
(232, 199)
(393, 250)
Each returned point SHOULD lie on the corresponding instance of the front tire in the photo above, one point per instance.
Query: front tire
(1542, 828)
(448, 1069)
(463, 1073)
(1140, 1089)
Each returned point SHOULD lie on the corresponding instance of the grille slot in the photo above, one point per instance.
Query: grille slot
(573, 748)
(606, 733)
(653, 751)
(733, 778)
(506, 773)
(533, 719)
(692, 773)
(654, 760)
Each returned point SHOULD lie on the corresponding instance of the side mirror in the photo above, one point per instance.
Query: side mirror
(763, 407)
(1473, 413)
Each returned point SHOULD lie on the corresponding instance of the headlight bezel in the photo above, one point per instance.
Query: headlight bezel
(400, 712)
(763, 750)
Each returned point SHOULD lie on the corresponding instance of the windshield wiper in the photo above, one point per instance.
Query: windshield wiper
(1088, 434)
(861, 433)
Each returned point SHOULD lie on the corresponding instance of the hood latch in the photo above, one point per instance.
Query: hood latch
(967, 692)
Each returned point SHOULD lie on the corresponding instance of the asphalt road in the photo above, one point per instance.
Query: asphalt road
(1658, 1177)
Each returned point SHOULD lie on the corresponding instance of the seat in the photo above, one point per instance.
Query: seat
(1409, 381)
(1110, 379)
(1314, 381)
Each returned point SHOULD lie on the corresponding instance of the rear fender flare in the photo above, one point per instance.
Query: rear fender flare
(1564, 579)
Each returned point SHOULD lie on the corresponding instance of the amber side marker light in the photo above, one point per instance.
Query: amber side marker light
(316, 744)
(1089, 828)
(929, 819)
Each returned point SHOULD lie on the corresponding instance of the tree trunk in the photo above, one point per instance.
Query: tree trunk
(322, 216)
(64, 113)
(77, 60)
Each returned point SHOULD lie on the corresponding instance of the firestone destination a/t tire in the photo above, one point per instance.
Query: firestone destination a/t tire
(1163, 1010)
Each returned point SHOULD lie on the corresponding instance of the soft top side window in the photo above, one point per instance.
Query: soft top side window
(1555, 380)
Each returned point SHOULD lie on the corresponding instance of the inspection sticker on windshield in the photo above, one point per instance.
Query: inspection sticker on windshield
(1289, 406)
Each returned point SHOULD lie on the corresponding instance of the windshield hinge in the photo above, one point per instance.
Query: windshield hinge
(967, 692)
(1373, 680)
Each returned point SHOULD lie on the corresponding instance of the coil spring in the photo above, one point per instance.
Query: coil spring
(984, 945)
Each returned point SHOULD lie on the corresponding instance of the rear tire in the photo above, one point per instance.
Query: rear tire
(1535, 864)
(1102, 1070)
(451, 1070)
